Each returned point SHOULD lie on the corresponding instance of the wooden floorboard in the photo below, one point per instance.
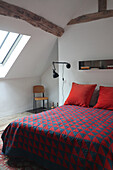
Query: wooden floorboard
(4, 121)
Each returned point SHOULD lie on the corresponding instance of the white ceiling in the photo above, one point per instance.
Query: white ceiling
(40, 51)
(57, 11)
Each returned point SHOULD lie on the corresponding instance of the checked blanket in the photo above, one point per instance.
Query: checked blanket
(67, 137)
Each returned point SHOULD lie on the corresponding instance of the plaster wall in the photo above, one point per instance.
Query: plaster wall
(87, 41)
(16, 95)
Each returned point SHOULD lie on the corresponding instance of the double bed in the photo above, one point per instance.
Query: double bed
(67, 137)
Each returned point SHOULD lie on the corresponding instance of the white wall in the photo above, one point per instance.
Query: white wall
(87, 41)
(51, 84)
(16, 95)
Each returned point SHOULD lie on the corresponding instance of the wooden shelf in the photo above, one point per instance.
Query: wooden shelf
(96, 64)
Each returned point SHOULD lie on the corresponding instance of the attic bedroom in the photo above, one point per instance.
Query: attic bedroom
(64, 50)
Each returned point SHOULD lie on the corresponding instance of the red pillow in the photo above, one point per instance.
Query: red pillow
(80, 94)
(105, 100)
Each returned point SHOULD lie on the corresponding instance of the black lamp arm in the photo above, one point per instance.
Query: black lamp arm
(56, 62)
(53, 65)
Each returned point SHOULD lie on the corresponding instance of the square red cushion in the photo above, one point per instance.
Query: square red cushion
(80, 94)
(105, 100)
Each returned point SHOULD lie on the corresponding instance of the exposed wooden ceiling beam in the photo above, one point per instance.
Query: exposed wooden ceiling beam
(102, 5)
(91, 17)
(11, 10)
(102, 13)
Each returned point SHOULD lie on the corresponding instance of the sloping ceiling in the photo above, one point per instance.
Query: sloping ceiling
(56, 11)
(36, 56)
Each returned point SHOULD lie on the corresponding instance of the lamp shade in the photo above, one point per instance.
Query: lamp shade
(55, 74)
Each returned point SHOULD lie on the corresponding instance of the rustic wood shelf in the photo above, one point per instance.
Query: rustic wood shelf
(96, 64)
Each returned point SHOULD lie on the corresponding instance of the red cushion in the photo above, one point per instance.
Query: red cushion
(105, 100)
(80, 94)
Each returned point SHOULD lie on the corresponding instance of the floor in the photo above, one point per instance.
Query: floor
(4, 121)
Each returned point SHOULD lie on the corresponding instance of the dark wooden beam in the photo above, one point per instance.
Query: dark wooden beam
(102, 5)
(11, 10)
(91, 17)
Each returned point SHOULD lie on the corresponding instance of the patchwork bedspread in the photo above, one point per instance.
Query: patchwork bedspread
(67, 137)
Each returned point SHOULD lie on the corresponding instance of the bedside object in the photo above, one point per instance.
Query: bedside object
(85, 68)
(110, 67)
(52, 106)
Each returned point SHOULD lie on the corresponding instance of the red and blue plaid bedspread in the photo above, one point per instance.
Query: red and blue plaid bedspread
(68, 137)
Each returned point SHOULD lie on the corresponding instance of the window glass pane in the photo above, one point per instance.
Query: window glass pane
(10, 40)
(2, 36)
(11, 45)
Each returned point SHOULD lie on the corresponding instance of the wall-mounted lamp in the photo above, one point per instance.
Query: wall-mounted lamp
(55, 74)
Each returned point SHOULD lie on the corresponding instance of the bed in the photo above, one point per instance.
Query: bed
(67, 137)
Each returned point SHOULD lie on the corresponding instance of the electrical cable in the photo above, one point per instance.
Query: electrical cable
(63, 84)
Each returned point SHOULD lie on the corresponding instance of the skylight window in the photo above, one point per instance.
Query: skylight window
(8, 40)
(3, 36)
(11, 44)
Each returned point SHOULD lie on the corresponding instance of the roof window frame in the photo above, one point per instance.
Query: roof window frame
(11, 50)
(4, 40)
